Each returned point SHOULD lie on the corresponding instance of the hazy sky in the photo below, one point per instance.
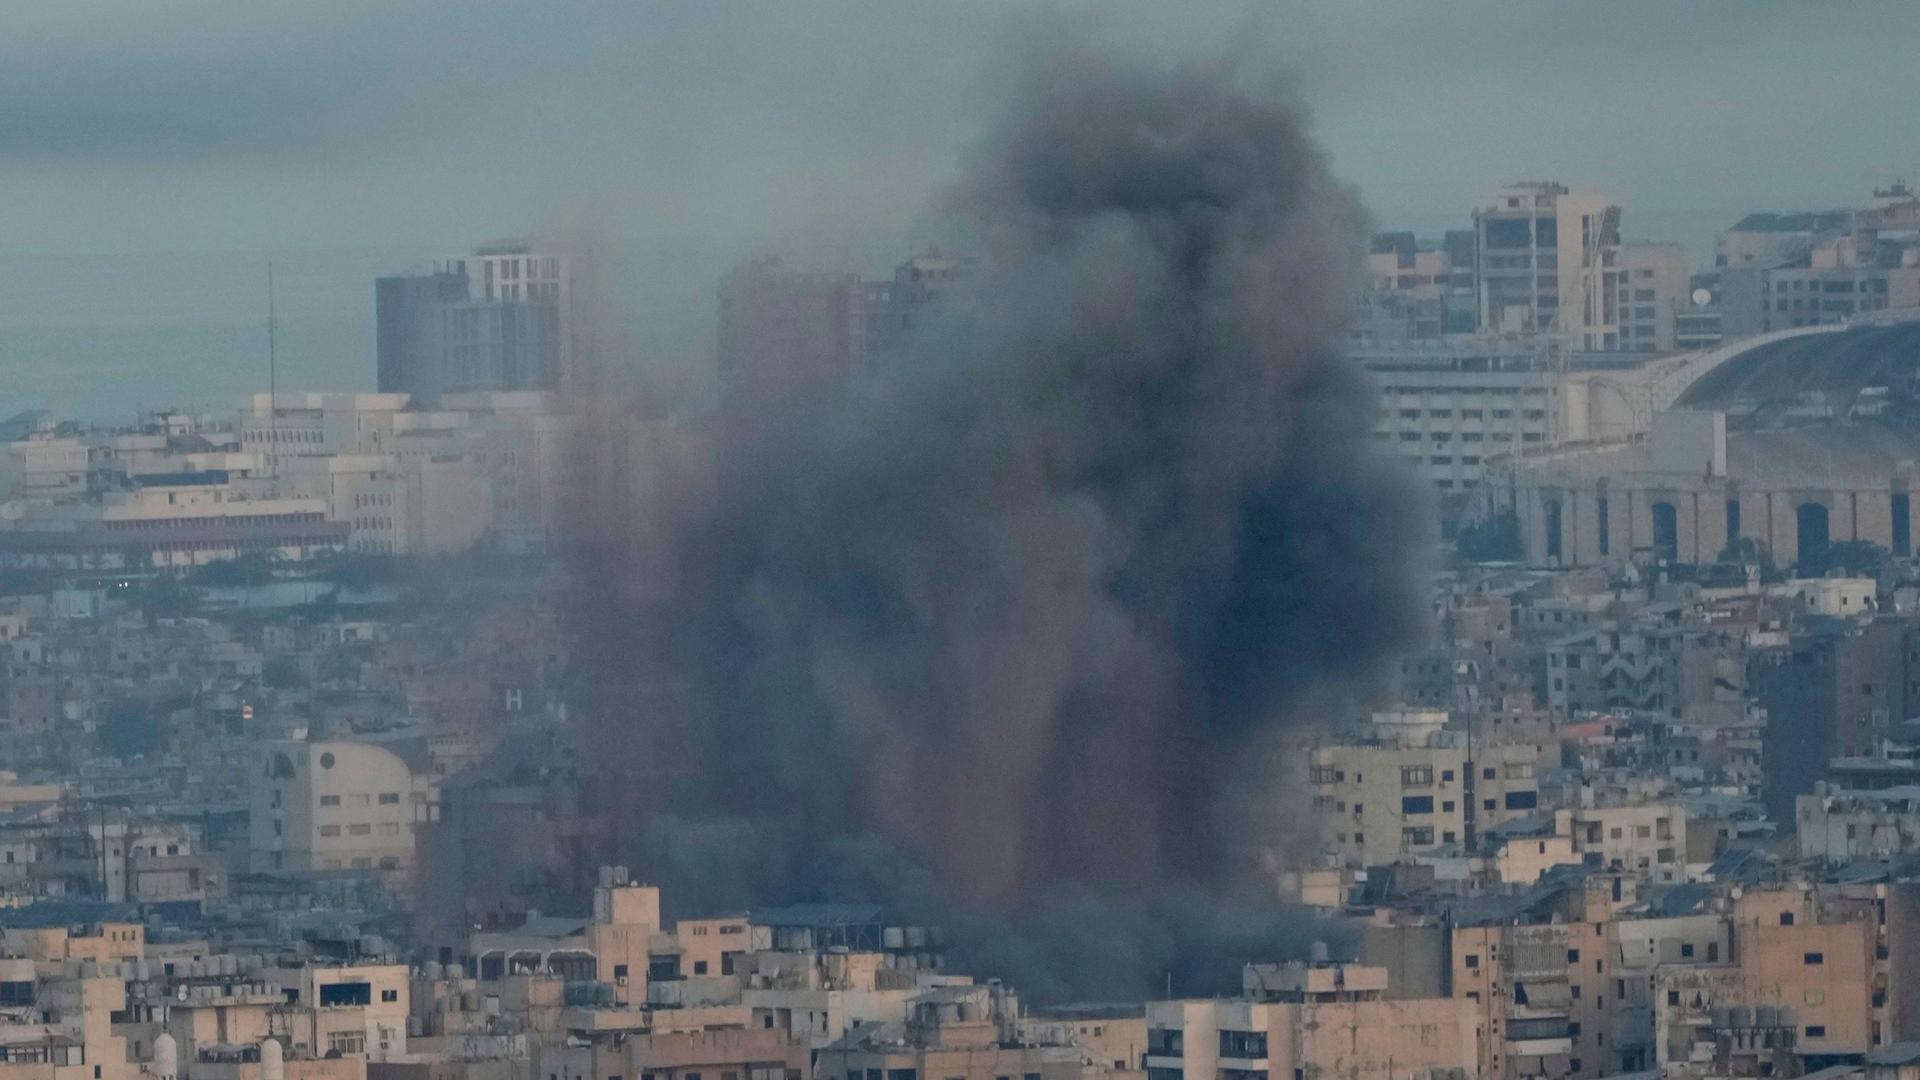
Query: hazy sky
(127, 125)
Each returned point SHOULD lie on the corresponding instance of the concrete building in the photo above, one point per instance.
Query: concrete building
(530, 454)
(1548, 263)
(1783, 270)
(1647, 840)
(1800, 986)
(44, 463)
(1333, 1021)
(1839, 826)
(963, 1032)
(1831, 691)
(781, 331)
(1450, 409)
(371, 999)
(500, 318)
(1417, 291)
(1538, 994)
(1650, 291)
(287, 425)
(1690, 493)
(892, 309)
(167, 526)
(1411, 787)
(333, 806)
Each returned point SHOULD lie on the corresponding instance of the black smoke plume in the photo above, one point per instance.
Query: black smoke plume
(1026, 607)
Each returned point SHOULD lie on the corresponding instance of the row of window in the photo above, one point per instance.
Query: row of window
(279, 435)
(386, 828)
(386, 862)
(1841, 285)
(1422, 775)
(1470, 414)
(387, 798)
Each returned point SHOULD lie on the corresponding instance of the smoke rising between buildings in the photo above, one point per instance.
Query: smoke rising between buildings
(1016, 615)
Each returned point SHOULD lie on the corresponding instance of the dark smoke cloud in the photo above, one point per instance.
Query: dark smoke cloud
(1018, 618)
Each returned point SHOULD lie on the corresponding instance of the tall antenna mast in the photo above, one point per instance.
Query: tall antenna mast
(273, 386)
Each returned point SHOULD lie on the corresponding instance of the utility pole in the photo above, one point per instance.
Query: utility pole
(273, 384)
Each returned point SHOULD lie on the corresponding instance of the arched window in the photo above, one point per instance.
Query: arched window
(1810, 521)
(1666, 532)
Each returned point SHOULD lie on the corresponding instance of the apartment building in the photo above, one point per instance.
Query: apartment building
(1547, 263)
(1330, 1020)
(1801, 986)
(333, 806)
(1647, 840)
(1410, 786)
(1449, 409)
(1651, 290)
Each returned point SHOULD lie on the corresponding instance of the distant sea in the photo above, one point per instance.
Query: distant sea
(100, 337)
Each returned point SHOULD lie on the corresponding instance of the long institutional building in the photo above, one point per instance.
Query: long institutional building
(298, 476)
(1784, 445)
(1522, 366)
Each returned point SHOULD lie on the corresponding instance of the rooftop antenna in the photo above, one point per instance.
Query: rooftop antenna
(273, 386)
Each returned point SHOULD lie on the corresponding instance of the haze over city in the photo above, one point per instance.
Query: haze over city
(1057, 541)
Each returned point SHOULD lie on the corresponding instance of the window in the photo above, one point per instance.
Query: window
(700, 968)
(389, 798)
(1416, 776)
(1573, 956)
(1813, 958)
(359, 830)
(1473, 961)
(1816, 1031)
(347, 993)
(347, 1042)
(1786, 918)
(1416, 804)
(389, 995)
(1417, 836)
(1686, 948)
(329, 830)
(329, 800)
(1243, 1044)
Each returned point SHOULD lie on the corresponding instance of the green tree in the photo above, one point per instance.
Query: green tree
(233, 573)
(1856, 558)
(1492, 539)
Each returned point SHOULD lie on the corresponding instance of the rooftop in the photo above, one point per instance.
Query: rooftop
(1793, 221)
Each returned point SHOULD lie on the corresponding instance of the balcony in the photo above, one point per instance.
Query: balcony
(1541, 1037)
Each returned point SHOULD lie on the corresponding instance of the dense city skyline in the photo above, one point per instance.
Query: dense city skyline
(1289, 541)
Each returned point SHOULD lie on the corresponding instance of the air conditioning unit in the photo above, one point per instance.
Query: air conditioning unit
(621, 981)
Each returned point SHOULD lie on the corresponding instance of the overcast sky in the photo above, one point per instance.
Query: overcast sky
(127, 125)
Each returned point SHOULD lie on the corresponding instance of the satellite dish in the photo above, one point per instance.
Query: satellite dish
(1701, 298)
